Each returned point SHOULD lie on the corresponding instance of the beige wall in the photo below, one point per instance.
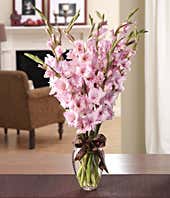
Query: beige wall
(133, 97)
(5, 11)
(111, 8)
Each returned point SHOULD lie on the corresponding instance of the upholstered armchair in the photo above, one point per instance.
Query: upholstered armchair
(25, 109)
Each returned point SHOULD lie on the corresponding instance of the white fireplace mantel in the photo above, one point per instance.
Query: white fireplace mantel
(36, 28)
(31, 38)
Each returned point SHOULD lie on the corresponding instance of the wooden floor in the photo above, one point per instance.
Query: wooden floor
(47, 139)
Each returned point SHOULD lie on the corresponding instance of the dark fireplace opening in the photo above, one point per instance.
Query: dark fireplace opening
(31, 68)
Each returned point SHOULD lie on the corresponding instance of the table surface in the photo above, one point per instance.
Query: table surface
(51, 163)
(47, 175)
(66, 186)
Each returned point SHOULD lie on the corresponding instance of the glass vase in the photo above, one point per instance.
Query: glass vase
(87, 170)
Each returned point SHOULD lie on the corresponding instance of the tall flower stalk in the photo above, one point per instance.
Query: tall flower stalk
(88, 82)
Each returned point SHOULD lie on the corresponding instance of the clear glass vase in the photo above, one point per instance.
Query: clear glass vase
(87, 170)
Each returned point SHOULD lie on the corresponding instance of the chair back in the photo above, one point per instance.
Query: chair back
(14, 100)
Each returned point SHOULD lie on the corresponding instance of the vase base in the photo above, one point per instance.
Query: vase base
(89, 188)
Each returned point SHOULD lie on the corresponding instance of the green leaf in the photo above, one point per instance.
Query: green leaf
(120, 27)
(91, 30)
(41, 14)
(50, 29)
(131, 34)
(103, 16)
(142, 31)
(72, 22)
(130, 42)
(99, 15)
(132, 13)
(115, 43)
(91, 19)
(34, 58)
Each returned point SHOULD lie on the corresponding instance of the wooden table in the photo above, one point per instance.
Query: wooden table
(49, 175)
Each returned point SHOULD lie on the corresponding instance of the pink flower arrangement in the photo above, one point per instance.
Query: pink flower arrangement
(90, 82)
(87, 84)
(90, 79)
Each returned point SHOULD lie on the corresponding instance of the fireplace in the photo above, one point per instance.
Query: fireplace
(33, 72)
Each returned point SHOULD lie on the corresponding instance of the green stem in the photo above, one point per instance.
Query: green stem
(82, 178)
(88, 174)
(79, 172)
(82, 173)
(96, 168)
(88, 171)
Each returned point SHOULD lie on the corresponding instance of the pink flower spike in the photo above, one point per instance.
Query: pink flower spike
(58, 51)
(49, 44)
(49, 73)
(89, 81)
(79, 46)
(70, 117)
(95, 95)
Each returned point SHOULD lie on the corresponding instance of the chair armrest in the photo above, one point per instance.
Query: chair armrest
(39, 93)
(43, 108)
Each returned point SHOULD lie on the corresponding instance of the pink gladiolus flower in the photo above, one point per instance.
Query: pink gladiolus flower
(86, 57)
(70, 117)
(60, 85)
(79, 46)
(95, 95)
(58, 51)
(49, 44)
(88, 85)
(49, 73)
(50, 61)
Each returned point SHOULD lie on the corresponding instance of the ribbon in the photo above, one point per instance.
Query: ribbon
(91, 144)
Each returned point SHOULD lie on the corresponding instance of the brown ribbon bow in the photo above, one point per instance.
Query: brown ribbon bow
(88, 144)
